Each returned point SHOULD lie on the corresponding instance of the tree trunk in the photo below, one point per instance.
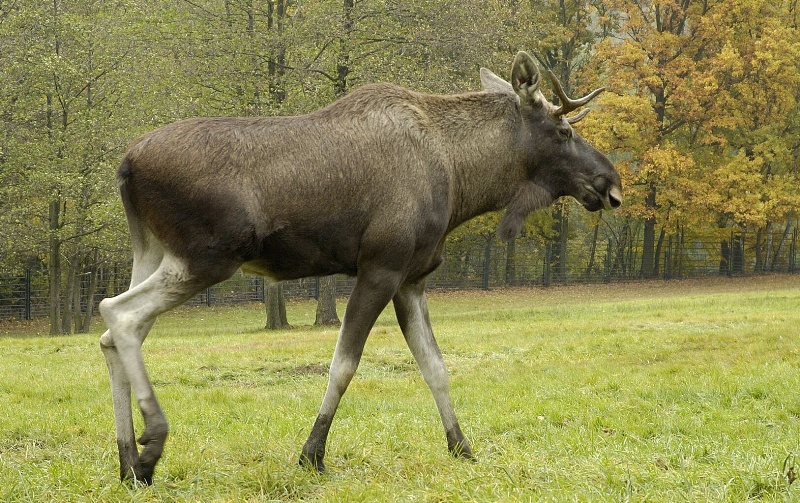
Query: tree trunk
(54, 269)
(768, 248)
(275, 306)
(649, 238)
(71, 296)
(487, 261)
(91, 290)
(326, 303)
(759, 255)
(657, 255)
(724, 259)
(737, 254)
(679, 256)
(340, 85)
(276, 66)
(619, 266)
(779, 248)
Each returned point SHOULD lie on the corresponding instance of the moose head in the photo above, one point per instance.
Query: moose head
(558, 161)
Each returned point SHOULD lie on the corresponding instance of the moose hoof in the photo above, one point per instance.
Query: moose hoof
(312, 461)
(462, 450)
(138, 476)
(145, 475)
(131, 470)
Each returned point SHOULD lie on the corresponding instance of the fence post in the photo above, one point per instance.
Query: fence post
(487, 257)
(548, 256)
(208, 296)
(607, 263)
(731, 254)
(28, 294)
(742, 243)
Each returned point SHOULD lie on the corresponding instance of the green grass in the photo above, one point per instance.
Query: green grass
(662, 391)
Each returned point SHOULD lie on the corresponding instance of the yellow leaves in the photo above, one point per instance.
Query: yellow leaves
(629, 63)
(695, 87)
(620, 123)
(665, 162)
(729, 60)
(745, 191)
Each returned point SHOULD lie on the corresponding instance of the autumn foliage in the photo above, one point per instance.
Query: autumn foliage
(701, 111)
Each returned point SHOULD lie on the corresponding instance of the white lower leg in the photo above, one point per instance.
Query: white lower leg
(129, 317)
(123, 415)
(412, 309)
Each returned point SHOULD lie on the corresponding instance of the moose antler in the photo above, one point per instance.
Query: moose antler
(568, 104)
(580, 115)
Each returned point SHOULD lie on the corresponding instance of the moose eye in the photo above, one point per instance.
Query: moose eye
(564, 133)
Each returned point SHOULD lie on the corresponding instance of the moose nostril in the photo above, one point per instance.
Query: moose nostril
(615, 197)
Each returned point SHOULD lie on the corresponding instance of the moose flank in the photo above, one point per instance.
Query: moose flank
(368, 186)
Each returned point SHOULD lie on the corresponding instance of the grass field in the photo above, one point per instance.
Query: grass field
(658, 391)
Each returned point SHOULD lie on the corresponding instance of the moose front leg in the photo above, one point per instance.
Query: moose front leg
(345, 361)
(411, 308)
(371, 294)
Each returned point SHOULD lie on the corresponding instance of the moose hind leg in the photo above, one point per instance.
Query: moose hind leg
(123, 418)
(145, 263)
(133, 467)
(129, 317)
(411, 308)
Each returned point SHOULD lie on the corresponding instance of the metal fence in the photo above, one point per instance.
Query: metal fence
(475, 262)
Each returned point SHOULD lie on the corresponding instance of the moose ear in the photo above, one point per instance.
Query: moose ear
(525, 78)
(493, 83)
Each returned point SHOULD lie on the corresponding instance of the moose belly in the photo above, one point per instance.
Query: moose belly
(288, 255)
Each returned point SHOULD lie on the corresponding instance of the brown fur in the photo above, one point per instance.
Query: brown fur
(295, 196)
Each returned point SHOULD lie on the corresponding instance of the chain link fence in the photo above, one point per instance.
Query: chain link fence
(476, 262)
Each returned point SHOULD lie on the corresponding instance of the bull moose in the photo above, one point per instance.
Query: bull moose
(368, 186)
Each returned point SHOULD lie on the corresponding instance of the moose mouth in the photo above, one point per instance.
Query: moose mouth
(593, 200)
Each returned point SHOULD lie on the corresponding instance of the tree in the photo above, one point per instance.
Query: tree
(64, 141)
(658, 53)
(716, 82)
(326, 302)
(755, 136)
(276, 307)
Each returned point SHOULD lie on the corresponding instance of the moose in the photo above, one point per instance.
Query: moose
(368, 186)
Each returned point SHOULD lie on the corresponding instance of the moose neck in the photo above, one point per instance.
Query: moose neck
(481, 140)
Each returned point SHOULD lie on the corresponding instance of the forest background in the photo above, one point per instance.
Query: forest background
(700, 116)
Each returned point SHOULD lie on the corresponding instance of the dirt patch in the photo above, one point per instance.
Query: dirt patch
(18, 328)
(305, 370)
